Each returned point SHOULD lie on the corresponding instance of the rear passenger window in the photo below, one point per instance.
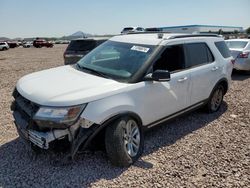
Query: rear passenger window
(222, 47)
(198, 54)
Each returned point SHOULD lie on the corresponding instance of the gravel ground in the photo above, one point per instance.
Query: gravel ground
(197, 150)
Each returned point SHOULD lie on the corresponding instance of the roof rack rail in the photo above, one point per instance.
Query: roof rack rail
(175, 36)
(146, 32)
(193, 35)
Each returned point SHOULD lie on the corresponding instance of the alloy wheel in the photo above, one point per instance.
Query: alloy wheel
(131, 137)
(217, 99)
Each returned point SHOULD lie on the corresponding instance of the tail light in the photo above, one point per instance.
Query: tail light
(243, 55)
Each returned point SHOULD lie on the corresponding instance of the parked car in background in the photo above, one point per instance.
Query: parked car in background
(27, 44)
(240, 50)
(39, 43)
(123, 87)
(132, 29)
(12, 44)
(4, 46)
(78, 48)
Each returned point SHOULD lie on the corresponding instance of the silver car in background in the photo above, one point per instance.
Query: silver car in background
(4, 46)
(240, 50)
(127, 30)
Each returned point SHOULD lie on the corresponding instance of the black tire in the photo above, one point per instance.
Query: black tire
(216, 99)
(4, 48)
(116, 139)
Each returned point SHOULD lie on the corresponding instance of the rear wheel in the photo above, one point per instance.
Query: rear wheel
(4, 48)
(124, 141)
(216, 99)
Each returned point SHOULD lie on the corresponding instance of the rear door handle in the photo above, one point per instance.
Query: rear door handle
(215, 68)
(182, 79)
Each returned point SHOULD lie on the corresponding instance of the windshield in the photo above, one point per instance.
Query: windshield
(236, 44)
(81, 45)
(116, 59)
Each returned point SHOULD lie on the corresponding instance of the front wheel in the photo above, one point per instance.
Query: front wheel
(124, 141)
(216, 99)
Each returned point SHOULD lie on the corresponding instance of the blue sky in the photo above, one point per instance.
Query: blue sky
(55, 18)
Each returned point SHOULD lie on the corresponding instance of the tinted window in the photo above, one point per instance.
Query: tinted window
(128, 28)
(100, 41)
(222, 47)
(172, 59)
(236, 44)
(81, 45)
(139, 29)
(198, 54)
(210, 56)
(1, 43)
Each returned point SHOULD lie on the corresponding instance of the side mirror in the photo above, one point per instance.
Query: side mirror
(159, 75)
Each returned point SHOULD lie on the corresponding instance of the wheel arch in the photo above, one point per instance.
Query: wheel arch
(122, 114)
(100, 130)
(224, 83)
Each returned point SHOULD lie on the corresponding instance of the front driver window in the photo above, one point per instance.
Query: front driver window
(172, 59)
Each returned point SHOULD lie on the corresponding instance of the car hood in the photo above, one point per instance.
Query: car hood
(66, 86)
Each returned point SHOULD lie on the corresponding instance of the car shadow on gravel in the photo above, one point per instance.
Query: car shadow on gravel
(19, 167)
(240, 75)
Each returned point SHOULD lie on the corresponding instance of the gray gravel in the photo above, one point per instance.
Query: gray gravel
(197, 150)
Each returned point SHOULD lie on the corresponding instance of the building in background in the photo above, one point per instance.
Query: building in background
(203, 29)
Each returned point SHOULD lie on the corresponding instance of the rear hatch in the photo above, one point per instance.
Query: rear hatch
(236, 47)
(235, 52)
(77, 49)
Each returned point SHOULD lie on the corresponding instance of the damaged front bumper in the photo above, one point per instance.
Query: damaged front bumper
(77, 134)
(43, 137)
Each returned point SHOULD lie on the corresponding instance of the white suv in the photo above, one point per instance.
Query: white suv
(124, 86)
(4, 46)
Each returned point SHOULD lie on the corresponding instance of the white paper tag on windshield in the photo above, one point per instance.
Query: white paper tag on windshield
(140, 49)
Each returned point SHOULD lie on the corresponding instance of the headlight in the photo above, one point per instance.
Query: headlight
(53, 116)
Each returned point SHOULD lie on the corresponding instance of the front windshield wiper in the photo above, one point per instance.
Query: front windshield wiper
(94, 71)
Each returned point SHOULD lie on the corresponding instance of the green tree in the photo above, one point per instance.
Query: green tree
(220, 32)
(248, 30)
(236, 32)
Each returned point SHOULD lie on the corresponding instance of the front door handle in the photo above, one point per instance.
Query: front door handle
(215, 68)
(182, 79)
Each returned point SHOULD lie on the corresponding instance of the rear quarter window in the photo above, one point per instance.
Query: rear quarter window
(222, 47)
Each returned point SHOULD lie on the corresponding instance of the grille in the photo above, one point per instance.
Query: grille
(25, 107)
